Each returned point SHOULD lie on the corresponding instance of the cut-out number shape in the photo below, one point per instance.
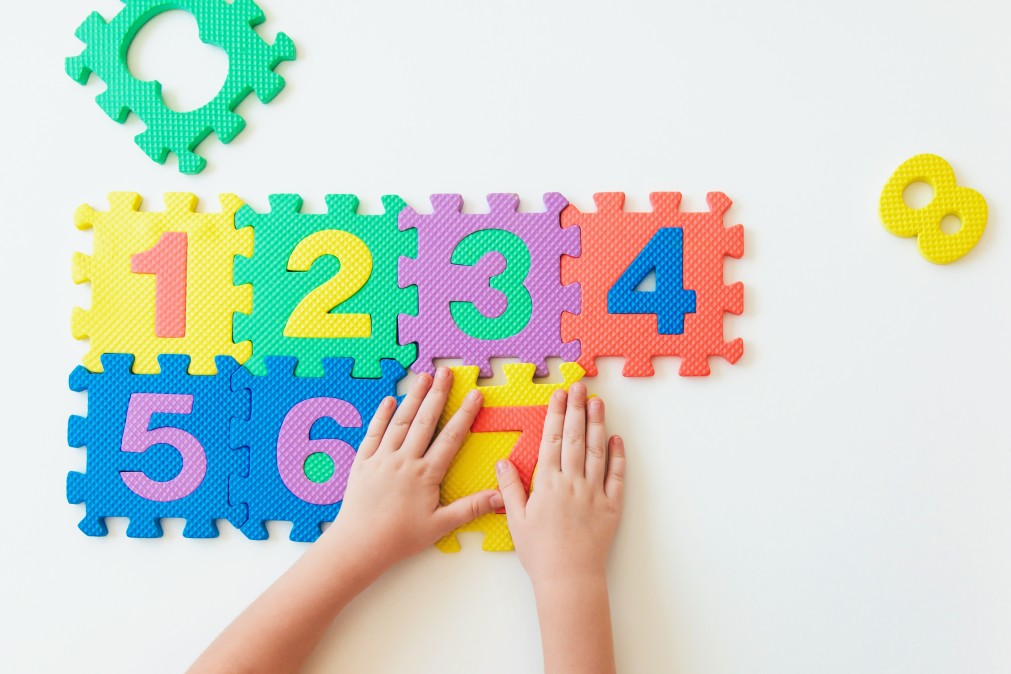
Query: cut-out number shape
(966, 204)
(138, 436)
(664, 253)
(296, 451)
(529, 422)
(502, 305)
(167, 261)
(314, 316)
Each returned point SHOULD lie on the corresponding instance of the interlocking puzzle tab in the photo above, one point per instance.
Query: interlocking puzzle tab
(228, 25)
(684, 315)
(507, 427)
(301, 437)
(157, 446)
(488, 284)
(161, 282)
(325, 284)
(966, 204)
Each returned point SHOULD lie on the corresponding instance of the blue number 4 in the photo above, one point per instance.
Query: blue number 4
(670, 301)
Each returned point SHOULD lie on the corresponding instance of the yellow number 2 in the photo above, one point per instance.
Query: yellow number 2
(966, 204)
(312, 317)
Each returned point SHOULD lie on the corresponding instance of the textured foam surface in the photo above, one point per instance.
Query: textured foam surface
(122, 317)
(157, 446)
(292, 419)
(325, 284)
(612, 240)
(228, 25)
(966, 204)
(507, 427)
(488, 283)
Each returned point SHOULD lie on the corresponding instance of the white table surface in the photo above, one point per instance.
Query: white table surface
(837, 502)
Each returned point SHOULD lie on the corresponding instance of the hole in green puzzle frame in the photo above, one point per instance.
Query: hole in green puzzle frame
(318, 467)
(168, 49)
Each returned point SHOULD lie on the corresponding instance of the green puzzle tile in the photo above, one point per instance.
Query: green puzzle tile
(325, 285)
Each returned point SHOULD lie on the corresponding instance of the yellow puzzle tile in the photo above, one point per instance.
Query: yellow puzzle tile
(966, 204)
(473, 469)
(196, 304)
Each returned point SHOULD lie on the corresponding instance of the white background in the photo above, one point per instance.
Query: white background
(837, 502)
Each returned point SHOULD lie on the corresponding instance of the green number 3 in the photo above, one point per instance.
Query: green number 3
(519, 304)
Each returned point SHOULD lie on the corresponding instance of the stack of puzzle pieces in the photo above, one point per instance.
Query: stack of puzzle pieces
(236, 357)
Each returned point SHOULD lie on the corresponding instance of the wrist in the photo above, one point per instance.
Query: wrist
(578, 582)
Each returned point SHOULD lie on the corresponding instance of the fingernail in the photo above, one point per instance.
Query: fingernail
(558, 395)
(442, 373)
(496, 501)
(501, 466)
(474, 395)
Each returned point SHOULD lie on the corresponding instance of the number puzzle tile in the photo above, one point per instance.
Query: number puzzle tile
(966, 204)
(228, 25)
(509, 426)
(325, 284)
(488, 284)
(157, 446)
(161, 282)
(685, 316)
(301, 437)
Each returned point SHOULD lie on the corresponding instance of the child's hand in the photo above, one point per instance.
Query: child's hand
(391, 508)
(564, 530)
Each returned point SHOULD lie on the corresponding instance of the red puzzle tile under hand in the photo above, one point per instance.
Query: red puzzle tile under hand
(611, 240)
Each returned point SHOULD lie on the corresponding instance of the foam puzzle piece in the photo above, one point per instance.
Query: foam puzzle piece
(125, 311)
(488, 283)
(473, 468)
(228, 25)
(157, 446)
(966, 204)
(293, 423)
(612, 240)
(325, 284)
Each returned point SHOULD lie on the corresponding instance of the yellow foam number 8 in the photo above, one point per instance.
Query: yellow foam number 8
(966, 204)
(312, 317)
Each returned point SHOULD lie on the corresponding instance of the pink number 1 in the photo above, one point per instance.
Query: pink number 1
(137, 437)
(167, 261)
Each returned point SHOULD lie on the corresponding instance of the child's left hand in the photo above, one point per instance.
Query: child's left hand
(391, 509)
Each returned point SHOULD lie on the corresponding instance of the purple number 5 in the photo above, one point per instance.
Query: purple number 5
(294, 447)
(138, 437)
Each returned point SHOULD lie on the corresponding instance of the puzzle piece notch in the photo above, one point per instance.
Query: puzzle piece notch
(441, 284)
(473, 468)
(262, 491)
(279, 291)
(115, 455)
(122, 316)
(605, 257)
(228, 25)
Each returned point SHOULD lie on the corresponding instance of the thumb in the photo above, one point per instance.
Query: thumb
(468, 508)
(511, 487)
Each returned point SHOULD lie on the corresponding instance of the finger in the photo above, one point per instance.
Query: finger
(377, 427)
(596, 443)
(550, 455)
(514, 496)
(466, 509)
(614, 484)
(401, 423)
(423, 427)
(453, 434)
(574, 431)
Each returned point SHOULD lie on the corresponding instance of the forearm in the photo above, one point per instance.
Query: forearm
(278, 632)
(575, 618)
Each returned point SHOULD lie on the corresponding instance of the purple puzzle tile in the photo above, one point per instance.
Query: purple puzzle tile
(489, 284)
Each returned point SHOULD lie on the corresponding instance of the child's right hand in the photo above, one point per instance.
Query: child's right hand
(564, 529)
